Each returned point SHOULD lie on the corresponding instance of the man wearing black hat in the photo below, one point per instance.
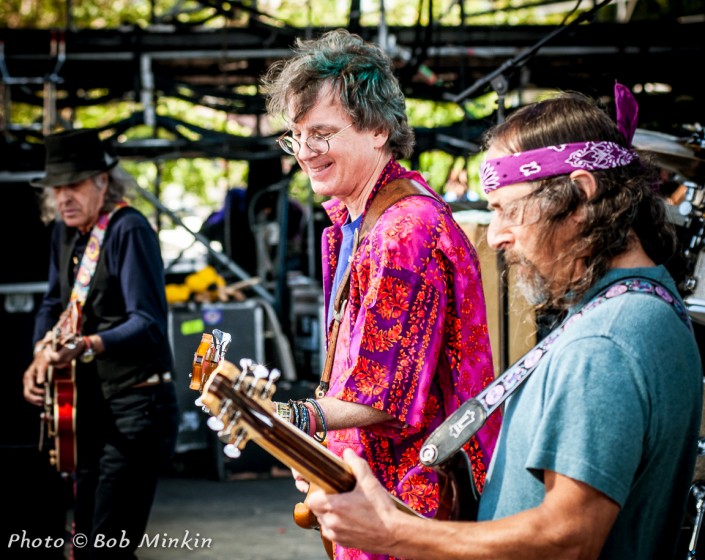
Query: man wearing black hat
(106, 260)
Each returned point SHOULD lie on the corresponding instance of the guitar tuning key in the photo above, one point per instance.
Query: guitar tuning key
(245, 364)
(232, 451)
(216, 423)
(227, 339)
(259, 373)
(231, 425)
(239, 380)
(269, 388)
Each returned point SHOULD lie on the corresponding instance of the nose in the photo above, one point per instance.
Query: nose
(305, 153)
(499, 236)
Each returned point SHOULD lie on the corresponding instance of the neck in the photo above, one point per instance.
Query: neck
(85, 229)
(633, 257)
(356, 203)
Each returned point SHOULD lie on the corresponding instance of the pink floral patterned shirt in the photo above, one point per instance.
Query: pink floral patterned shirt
(413, 341)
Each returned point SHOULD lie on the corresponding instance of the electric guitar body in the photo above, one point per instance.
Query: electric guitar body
(59, 416)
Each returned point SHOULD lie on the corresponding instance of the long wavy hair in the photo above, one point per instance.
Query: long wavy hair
(359, 72)
(625, 207)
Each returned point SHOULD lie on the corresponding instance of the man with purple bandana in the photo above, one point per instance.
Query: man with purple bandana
(598, 442)
(413, 341)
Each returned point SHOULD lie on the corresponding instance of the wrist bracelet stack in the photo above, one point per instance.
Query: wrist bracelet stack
(306, 415)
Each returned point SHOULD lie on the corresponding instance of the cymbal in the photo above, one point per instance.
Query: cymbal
(671, 153)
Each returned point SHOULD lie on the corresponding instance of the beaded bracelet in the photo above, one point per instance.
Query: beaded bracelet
(297, 415)
(305, 422)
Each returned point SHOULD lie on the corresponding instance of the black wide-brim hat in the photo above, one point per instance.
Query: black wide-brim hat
(72, 156)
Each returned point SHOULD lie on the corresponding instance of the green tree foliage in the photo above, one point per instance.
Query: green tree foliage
(206, 179)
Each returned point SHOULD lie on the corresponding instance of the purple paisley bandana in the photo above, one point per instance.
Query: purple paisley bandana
(546, 162)
(627, 111)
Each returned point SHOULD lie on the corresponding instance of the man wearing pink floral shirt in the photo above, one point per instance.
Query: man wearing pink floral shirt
(413, 341)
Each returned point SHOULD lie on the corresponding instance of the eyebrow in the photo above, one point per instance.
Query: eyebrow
(320, 129)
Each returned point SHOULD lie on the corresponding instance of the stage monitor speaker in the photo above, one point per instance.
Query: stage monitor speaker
(187, 323)
(197, 446)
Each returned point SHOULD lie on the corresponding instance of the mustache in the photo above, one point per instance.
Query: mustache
(511, 258)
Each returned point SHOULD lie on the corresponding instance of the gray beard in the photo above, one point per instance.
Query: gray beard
(529, 282)
(533, 290)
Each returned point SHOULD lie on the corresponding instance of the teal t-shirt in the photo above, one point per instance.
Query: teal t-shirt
(615, 404)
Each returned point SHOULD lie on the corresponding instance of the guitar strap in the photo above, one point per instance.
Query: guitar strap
(386, 196)
(89, 261)
(465, 422)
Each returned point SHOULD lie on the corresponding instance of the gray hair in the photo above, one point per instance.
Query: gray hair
(121, 185)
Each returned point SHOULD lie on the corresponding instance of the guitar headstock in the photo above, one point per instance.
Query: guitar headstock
(239, 401)
(209, 353)
(225, 393)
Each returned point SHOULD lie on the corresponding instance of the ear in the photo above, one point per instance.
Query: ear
(101, 180)
(379, 138)
(585, 181)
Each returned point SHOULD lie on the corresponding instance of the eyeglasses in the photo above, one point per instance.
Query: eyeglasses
(317, 144)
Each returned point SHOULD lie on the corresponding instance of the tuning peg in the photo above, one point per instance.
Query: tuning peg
(238, 382)
(245, 364)
(231, 425)
(232, 451)
(260, 371)
(268, 389)
(227, 339)
(215, 423)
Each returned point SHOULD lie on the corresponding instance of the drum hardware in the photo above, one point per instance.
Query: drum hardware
(671, 153)
(689, 216)
(697, 491)
(697, 139)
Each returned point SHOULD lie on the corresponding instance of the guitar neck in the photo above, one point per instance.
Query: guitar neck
(282, 440)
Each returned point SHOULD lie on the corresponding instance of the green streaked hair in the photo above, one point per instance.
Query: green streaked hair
(360, 72)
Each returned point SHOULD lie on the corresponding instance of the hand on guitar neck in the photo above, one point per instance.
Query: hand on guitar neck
(56, 351)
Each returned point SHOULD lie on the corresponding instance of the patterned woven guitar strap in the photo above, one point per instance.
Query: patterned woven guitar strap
(91, 255)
